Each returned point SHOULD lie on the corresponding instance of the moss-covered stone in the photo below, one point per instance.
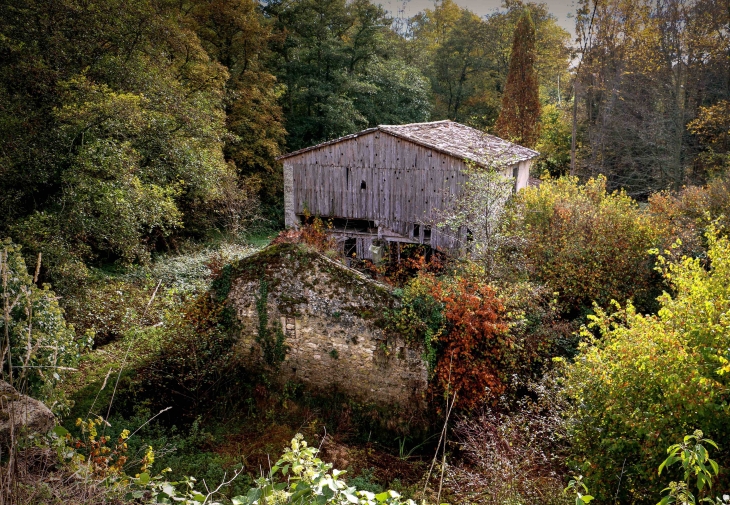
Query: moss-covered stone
(325, 309)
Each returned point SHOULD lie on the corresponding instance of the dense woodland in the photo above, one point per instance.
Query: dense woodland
(587, 335)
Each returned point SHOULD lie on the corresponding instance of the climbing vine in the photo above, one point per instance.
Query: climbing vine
(464, 329)
(271, 340)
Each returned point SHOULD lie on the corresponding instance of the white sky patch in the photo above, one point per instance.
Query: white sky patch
(560, 8)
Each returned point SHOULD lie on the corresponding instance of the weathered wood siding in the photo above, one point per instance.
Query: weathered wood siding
(381, 178)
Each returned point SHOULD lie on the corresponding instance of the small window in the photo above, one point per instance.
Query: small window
(426, 233)
(516, 175)
(416, 231)
(363, 185)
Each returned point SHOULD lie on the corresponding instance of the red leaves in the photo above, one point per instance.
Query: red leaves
(475, 343)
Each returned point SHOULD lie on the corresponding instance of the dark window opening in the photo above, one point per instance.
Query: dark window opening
(426, 233)
(350, 247)
(515, 174)
(362, 185)
(416, 231)
(356, 225)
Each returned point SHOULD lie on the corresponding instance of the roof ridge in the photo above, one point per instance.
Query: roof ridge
(419, 124)
(449, 137)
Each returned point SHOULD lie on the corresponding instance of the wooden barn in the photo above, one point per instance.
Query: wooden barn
(388, 183)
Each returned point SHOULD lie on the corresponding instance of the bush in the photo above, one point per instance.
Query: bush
(195, 361)
(108, 309)
(474, 345)
(685, 215)
(42, 347)
(582, 242)
(476, 338)
(652, 378)
(513, 456)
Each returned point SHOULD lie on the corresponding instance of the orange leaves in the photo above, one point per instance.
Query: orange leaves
(475, 343)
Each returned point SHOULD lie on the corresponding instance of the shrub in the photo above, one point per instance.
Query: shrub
(195, 360)
(313, 233)
(582, 242)
(651, 378)
(513, 456)
(685, 215)
(475, 344)
(107, 309)
(538, 332)
(475, 339)
(41, 345)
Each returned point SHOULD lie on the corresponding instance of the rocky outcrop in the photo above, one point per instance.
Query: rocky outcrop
(21, 415)
(319, 323)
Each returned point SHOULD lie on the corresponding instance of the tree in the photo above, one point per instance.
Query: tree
(467, 60)
(518, 119)
(554, 142)
(646, 68)
(476, 213)
(333, 59)
(712, 127)
(236, 34)
(126, 124)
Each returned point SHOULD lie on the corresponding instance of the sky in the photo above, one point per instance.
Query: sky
(560, 8)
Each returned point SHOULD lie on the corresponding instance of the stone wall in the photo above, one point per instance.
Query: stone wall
(331, 317)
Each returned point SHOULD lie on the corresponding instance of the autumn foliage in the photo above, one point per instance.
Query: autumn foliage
(583, 242)
(519, 117)
(474, 344)
(313, 232)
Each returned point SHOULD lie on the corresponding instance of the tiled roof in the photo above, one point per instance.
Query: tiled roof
(451, 138)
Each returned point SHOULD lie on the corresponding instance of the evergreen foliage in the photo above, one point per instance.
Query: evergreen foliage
(519, 116)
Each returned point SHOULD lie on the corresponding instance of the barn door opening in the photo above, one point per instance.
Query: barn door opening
(350, 247)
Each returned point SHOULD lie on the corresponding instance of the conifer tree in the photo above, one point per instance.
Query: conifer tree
(518, 120)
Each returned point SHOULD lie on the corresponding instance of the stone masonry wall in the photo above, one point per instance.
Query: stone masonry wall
(331, 317)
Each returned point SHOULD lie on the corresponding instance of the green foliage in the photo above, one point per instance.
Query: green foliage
(333, 59)
(582, 242)
(271, 340)
(651, 378)
(110, 471)
(115, 142)
(553, 144)
(305, 479)
(577, 487)
(419, 317)
(193, 362)
(479, 209)
(466, 56)
(37, 344)
(696, 462)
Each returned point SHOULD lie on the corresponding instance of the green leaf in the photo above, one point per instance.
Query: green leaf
(382, 497)
(198, 497)
(60, 431)
(168, 489)
(586, 498)
(144, 478)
